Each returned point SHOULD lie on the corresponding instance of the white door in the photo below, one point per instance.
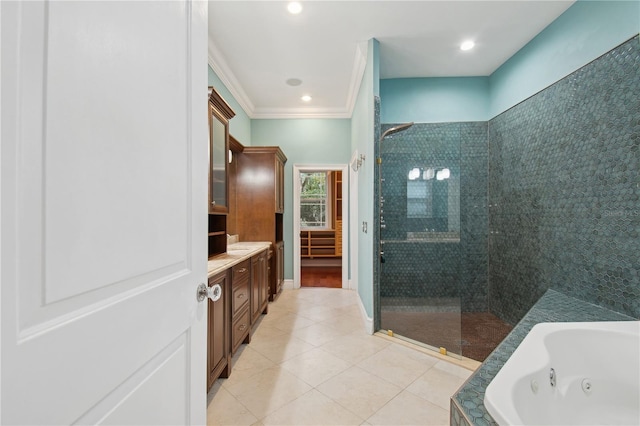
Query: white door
(103, 201)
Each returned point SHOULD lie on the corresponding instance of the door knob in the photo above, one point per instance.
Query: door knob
(214, 292)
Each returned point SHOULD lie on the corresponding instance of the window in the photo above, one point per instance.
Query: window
(315, 208)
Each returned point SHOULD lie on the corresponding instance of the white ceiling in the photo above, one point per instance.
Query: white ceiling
(255, 46)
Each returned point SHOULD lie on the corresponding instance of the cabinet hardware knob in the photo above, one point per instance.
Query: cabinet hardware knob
(242, 327)
(240, 296)
(242, 271)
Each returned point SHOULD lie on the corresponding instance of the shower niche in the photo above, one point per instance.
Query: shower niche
(433, 203)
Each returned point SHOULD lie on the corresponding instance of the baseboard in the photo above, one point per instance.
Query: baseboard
(351, 285)
(368, 322)
(287, 284)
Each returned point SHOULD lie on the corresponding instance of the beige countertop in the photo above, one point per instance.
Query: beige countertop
(235, 254)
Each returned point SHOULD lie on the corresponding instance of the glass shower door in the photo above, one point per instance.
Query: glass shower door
(420, 258)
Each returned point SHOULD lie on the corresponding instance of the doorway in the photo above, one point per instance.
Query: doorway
(320, 233)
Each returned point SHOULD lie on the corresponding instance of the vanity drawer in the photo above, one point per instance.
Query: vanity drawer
(240, 331)
(239, 297)
(241, 271)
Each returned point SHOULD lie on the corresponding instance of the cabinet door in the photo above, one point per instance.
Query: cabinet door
(264, 282)
(268, 278)
(219, 115)
(256, 277)
(279, 184)
(218, 360)
(218, 148)
(280, 265)
(259, 285)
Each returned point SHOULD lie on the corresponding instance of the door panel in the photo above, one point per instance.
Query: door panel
(136, 393)
(103, 212)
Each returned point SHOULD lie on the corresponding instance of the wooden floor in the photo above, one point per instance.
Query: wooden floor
(321, 276)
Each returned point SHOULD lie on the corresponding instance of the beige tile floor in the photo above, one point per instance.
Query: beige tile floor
(310, 362)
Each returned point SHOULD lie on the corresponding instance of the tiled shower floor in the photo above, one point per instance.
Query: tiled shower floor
(438, 323)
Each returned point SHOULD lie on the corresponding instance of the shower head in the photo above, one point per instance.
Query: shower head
(396, 129)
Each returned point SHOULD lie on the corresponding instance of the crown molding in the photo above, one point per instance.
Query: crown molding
(281, 113)
(228, 78)
(359, 67)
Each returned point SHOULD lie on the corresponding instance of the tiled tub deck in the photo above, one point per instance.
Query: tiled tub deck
(467, 407)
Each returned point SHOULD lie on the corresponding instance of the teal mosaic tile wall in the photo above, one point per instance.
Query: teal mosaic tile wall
(564, 191)
(435, 264)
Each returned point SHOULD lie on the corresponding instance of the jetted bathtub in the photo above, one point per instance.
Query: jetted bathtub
(585, 373)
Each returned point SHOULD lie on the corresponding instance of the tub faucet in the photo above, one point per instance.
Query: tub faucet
(552, 377)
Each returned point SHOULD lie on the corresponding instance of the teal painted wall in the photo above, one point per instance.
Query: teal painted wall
(362, 139)
(586, 30)
(303, 141)
(434, 100)
(240, 125)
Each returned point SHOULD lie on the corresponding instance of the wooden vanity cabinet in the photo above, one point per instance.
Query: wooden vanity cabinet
(259, 286)
(218, 351)
(240, 304)
(260, 204)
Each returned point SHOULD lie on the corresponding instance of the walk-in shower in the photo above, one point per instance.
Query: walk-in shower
(419, 207)
(432, 239)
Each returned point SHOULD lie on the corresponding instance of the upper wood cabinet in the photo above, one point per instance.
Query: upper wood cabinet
(260, 184)
(259, 204)
(219, 115)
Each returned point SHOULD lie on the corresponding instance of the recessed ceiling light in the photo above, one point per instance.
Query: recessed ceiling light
(294, 7)
(467, 45)
(306, 98)
(294, 82)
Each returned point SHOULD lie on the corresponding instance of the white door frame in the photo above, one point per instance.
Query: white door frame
(297, 169)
